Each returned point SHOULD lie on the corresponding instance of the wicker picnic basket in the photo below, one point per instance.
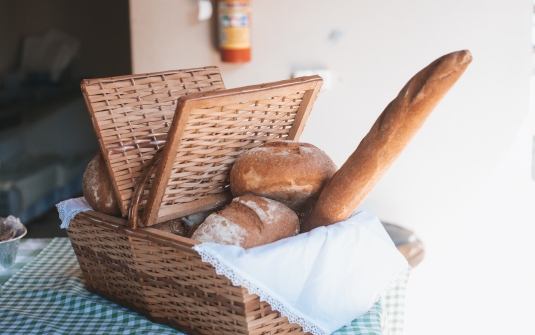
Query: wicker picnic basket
(204, 128)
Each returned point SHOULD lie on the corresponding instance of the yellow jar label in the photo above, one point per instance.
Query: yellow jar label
(234, 26)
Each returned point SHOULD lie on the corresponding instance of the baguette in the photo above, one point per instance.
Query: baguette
(385, 141)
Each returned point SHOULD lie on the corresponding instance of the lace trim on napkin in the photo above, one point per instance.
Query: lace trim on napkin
(68, 209)
(238, 280)
(292, 315)
(401, 275)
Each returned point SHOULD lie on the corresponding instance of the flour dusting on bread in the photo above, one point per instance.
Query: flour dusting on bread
(265, 213)
(217, 229)
(249, 221)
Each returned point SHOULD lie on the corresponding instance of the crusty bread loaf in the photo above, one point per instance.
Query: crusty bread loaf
(392, 131)
(98, 189)
(290, 172)
(248, 221)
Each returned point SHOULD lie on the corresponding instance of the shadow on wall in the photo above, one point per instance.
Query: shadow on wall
(46, 137)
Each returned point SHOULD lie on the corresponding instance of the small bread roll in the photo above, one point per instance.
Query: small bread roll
(249, 221)
(98, 189)
(293, 173)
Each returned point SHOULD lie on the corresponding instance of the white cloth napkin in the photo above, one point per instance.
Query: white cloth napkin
(321, 280)
(69, 208)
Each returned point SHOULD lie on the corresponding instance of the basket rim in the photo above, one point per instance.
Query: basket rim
(152, 234)
(197, 99)
(92, 81)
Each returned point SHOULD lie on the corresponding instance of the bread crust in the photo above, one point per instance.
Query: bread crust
(248, 221)
(385, 141)
(293, 173)
(98, 189)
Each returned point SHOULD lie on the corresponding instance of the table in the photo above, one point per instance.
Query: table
(43, 293)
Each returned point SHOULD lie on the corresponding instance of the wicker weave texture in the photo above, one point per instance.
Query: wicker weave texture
(132, 115)
(216, 136)
(212, 129)
(168, 284)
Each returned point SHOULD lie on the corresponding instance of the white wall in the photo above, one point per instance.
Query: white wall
(463, 184)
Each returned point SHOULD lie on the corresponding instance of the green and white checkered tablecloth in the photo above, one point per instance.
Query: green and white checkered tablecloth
(46, 295)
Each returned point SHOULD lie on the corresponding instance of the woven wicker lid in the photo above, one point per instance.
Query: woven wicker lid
(211, 130)
(132, 114)
(203, 136)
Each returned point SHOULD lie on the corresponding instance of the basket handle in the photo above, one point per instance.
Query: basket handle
(148, 170)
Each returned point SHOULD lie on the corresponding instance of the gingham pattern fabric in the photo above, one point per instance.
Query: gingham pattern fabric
(47, 296)
(371, 323)
(394, 304)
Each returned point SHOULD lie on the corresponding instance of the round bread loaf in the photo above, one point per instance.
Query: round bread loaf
(293, 173)
(248, 221)
(98, 189)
